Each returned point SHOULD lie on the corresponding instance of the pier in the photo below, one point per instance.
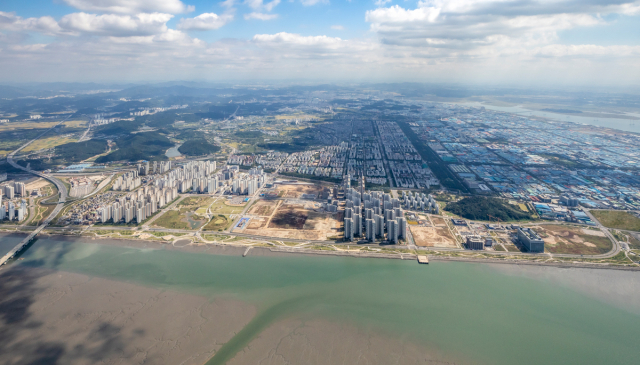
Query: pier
(423, 259)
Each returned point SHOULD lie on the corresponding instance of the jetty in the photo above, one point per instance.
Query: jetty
(423, 259)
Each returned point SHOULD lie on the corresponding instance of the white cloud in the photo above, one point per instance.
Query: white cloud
(228, 4)
(380, 3)
(205, 21)
(116, 25)
(290, 39)
(586, 50)
(260, 16)
(260, 5)
(313, 2)
(468, 24)
(131, 6)
(337, 27)
(46, 24)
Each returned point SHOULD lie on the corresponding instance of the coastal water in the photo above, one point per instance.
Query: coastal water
(9, 241)
(472, 313)
(629, 125)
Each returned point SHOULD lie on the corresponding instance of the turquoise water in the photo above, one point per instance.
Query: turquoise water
(465, 311)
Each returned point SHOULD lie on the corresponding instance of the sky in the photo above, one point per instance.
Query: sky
(595, 43)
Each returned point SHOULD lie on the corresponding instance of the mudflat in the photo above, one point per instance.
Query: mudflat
(316, 341)
(55, 317)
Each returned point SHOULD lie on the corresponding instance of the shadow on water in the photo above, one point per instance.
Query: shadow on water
(256, 326)
(19, 291)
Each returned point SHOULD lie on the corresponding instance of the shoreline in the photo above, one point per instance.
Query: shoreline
(249, 250)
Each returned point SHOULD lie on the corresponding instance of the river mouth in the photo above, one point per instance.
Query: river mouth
(345, 306)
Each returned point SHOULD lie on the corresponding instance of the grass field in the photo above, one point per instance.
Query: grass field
(40, 125)
(195, 201)
(46, 143)
(634, 243)
(172, 220)
(220, 207)
(218, 223)
(617, 219)
(180, 219)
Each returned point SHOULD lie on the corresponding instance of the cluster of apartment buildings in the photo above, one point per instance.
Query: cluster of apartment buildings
(12, 211)
(368, 215)
(201, 177)
(420, 201)
(138, 205)
(376, 213)
(12, 189)
(80, 186)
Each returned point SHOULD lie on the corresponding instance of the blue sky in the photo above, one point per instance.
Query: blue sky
(494, 41)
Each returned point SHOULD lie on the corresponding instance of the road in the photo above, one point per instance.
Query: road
(62, 190)
(605, 230)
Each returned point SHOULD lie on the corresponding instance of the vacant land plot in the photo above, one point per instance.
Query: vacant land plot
(617, 219)
(296, 191)
(573, 240)
(432, 236)
(437, 221)
(222, 207)
(264, 208)
(180, 219)
(289, 217)
(171, 220)
(38, 184)
(218, 223)
(257, 223)
(296, 221)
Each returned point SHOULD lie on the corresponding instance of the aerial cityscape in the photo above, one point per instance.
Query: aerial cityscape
(304, 198)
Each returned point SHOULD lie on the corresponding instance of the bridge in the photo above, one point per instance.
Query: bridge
(62, 190)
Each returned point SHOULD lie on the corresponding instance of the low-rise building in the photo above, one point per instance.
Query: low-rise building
(475, 243)
(530, 239)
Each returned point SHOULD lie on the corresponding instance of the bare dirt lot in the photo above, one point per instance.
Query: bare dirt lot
(264, 208)
(37, 184)
(437, 221)
(289, 217)
(296, 221)
(432, 236)
(573, 240)
(296, 191)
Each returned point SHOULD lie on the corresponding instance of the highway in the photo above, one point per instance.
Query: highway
(62, 190)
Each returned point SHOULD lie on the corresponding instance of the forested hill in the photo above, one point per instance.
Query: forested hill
(197, 147)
